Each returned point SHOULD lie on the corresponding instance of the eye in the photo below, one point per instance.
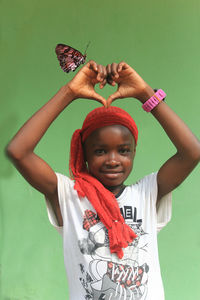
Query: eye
(124, 151)
(99, 152)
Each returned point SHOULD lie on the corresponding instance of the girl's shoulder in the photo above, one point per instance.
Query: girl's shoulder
(147, 181)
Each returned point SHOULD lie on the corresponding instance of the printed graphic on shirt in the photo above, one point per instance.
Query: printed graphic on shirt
(106, 279)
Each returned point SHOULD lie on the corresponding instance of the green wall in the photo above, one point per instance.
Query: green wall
(161, 40)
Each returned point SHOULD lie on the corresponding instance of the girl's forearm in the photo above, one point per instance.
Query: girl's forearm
(32, 131)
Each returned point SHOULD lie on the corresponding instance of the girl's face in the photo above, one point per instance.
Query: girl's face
(109, 152)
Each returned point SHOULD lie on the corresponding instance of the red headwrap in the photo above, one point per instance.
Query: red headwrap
(103, 201)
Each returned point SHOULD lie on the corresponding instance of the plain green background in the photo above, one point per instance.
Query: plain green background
(161, 40)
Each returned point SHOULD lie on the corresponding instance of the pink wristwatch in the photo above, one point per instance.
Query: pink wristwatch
(154, 100)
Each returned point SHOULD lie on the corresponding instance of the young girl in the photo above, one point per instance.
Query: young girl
(109, 230)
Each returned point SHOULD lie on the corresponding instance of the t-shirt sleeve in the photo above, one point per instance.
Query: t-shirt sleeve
(164, 208)
(63, 187)
(164, 211)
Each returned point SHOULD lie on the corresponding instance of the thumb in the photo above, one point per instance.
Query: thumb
(113, 97)
(99, 98)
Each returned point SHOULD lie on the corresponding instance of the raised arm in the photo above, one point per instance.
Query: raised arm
(21, 148)
(178, 167)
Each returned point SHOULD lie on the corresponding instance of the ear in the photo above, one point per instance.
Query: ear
(134, 152)
(85, 158)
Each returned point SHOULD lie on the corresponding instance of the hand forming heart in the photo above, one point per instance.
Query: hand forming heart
(130, 84)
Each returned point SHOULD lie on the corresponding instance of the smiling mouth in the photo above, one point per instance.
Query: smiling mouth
(111, 175)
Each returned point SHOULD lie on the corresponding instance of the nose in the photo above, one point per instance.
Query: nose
(112, 161)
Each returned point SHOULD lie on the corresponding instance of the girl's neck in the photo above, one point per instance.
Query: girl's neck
(116, 190)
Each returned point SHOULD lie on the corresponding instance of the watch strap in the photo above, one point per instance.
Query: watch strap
(154, 100)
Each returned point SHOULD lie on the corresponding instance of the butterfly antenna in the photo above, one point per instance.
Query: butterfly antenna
(87, 46)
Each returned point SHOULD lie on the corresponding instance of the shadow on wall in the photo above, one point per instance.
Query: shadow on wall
(7, 127)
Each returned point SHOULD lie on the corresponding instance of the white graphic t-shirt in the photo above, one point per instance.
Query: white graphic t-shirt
(94, 273)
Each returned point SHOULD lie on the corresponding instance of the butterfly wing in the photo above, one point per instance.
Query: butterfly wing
(69, 58)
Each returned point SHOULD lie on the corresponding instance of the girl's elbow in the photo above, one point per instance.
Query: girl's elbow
(12, 153)
(195, 156)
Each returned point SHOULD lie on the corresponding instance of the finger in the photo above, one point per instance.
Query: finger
(111, 81)
(108, 69)
(113, 97)
(103, 83)
(100, 75)
(92, 65)
(104, 71)
(121, 66)
(114, 70)
(109, 75)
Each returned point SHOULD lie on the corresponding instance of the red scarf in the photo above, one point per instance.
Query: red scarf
(103, 201)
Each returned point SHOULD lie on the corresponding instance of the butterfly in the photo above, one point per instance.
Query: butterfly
(70, 59)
